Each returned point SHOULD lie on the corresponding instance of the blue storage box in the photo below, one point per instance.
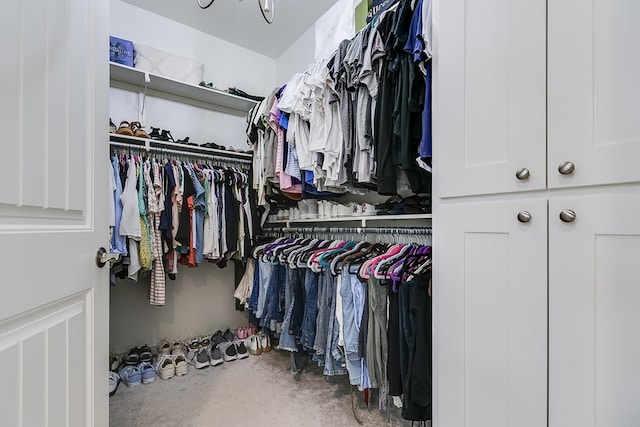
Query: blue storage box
(121, 51)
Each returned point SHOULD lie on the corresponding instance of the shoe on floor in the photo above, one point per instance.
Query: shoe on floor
(217, 338)
(228, 336)
(215, 356)
(180, 362)
(165, 367)
(229, 352)
(114, 381)
(205, 341)
(253, 345)
(265, 342)
(177, 348)
(115, 360)
(133, 357)
(145, 354)
(163, 348)
(148, 372)
(241, 350)
(199, 359)
(131, 376)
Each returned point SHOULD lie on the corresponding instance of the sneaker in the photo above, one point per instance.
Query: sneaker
(228, 336)
(312, 209)
(217, 338)
(343, 210)
(241, 350)
(131, 376)
(334, 210)
(114, 382)
(296, 214)
(205, 341)
(177, 348)
(165, 367)
(253, 345)
(146, 355)
(265, 342)
(356, 209)
(180, 362)
(115, 360)
(368, 209)
(163, 348)
(192, 347)
(148, 372)
(229, 352)
(133, 357)
(200, 359)
(215, 356)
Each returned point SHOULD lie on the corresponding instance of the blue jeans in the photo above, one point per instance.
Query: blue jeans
(264, 278)
(333, 362)
(274, 304)
(287, 339)
(308, 334)
(352, 292)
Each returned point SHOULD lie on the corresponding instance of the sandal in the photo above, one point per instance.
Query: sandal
(138, 132)
(184, 141)
(166, 136)
(124, 129)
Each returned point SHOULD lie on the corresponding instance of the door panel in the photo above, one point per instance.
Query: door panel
(490, 114)
(594, 295)
(594, 89)
(492, 303)
(53, 98)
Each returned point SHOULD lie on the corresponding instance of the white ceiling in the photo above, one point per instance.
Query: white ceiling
(240, 21)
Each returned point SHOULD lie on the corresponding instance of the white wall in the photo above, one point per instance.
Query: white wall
(226, 65)
(297, 58)
(201, 299)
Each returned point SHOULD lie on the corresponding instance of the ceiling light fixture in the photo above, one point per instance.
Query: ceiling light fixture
(267, 8)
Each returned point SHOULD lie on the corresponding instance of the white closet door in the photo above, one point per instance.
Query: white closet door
(53, 213)
(594, 312)
(491, 298)
(594, 91)
(490, 74)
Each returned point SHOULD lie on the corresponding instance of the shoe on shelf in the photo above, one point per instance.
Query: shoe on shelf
(124, 129)
(133, 357)
(368, 209)
(115, 360)
(145, 354)
(155, 133)
(215, 356)
(131, 376)
(308, 208)
(112, 126)
(137, 130)
(241, 350)
(165, 367)
(163, 348)
(181, 366)
(114, 381)
(166, 136)
(148, 372)
(344, 210)
(229, 352)
(253, 345)
(356, 209)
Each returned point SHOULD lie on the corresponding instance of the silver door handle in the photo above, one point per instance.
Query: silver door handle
(524, 217)
(522, 174)
(103, 257)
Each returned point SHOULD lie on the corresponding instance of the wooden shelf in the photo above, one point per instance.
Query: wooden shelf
(128, 78)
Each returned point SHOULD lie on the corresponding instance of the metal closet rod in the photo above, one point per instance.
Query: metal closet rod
(351, 230)
(160, 150)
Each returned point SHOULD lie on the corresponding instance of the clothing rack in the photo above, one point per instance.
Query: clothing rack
(424, 231)
(189, 154)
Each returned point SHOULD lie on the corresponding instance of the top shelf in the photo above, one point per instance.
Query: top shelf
(362, 219)
(128, 78)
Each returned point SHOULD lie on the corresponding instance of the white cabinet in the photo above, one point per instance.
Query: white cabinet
(491, 95)
(594, 91)
(594, 311)
(492, 293)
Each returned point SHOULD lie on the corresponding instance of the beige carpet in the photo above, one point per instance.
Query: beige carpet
(257, 391)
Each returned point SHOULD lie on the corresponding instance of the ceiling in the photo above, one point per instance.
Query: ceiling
(240, 21)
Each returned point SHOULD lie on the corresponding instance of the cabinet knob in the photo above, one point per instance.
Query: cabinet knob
(567, 215)
(522, 174)
(566, 168)
(524, 217)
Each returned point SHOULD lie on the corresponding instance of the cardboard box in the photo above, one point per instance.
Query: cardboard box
(121, 51)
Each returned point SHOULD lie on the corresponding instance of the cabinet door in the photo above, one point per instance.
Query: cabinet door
(594, 91)
(490, 100)
(594, 312)
(491, 300)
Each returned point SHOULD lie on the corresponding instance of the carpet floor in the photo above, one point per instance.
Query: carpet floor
(256, 391)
